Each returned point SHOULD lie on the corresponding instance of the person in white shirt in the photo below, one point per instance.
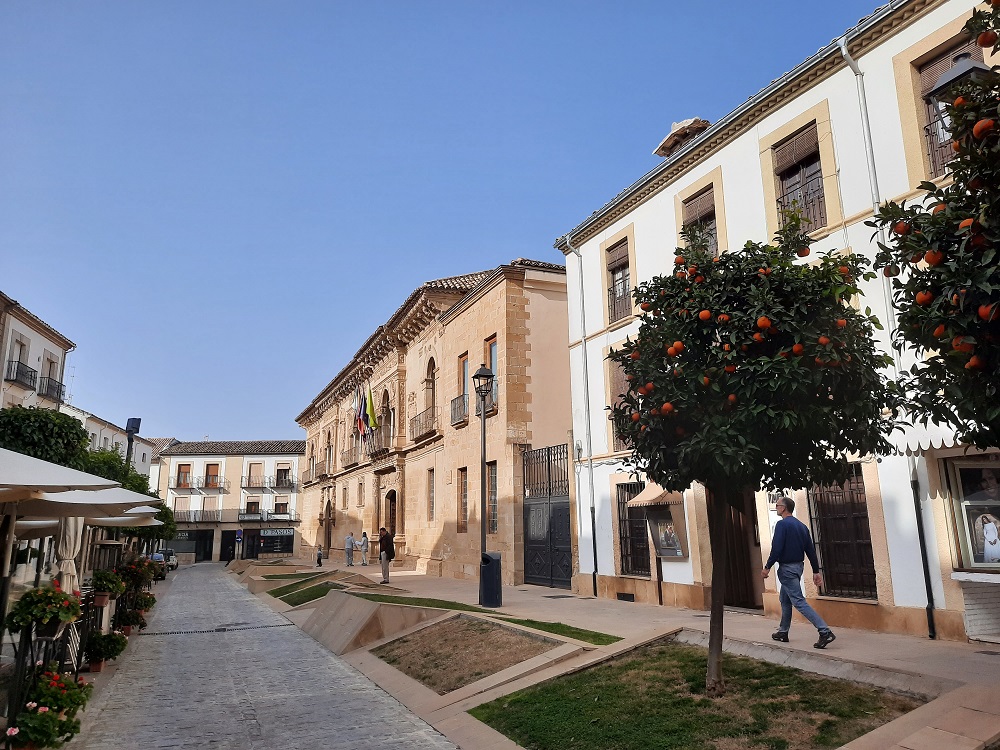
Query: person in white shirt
(349, 548)
(362, 545)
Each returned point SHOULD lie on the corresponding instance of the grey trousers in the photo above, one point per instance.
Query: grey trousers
(384, 559)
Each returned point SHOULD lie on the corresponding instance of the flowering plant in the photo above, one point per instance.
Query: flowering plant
(105, 646)
(60, 692)
(130, 617)
(42, 726)
(42, 605)
(108, 582)
(137, 573)
(144, 601)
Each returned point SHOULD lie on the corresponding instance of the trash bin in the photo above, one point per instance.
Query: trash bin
(490, 594)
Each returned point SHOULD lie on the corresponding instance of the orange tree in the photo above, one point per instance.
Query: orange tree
(942, 257)
(750, 370)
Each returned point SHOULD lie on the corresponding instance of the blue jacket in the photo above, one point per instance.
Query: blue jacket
(792, 544)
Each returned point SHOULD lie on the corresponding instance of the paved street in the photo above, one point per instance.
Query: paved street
(261, 685)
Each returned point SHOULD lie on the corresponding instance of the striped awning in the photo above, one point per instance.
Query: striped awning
(654, 494)
(917, 438)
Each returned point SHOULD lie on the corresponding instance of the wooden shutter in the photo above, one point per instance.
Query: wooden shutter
(618, 383)
(701, 205)
(931, 70)
(618, 254)
(801, 145)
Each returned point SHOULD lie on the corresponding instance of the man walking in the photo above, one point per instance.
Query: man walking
(790, 545)
(386, 551)
(349, 548)
(319, 557)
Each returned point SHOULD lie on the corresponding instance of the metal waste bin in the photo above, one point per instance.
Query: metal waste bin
(490, 594)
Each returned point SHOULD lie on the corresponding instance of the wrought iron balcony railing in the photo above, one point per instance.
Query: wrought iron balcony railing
(51, 389)
(491, 402)
(285, 483)
(260, 516)
(212, 482)
(181, 482)
(321, 469)
(460, 409)
(424, 424)
(20, 373)
(350, 457)
(379, 443)
(254, 482)
(197, 516)
(809, 200)
(939, 149)
(619, 303)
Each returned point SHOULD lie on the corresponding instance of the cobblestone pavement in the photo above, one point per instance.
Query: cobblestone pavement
(267, 687)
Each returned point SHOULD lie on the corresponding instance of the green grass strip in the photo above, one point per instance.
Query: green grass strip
(293, 586)
(276, 576)
(308, 594)
(588, 636)
(417, 601)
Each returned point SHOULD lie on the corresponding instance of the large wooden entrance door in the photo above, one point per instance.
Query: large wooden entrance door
(548, 550)
(742, 554)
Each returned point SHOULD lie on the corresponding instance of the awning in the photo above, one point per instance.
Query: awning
(654, 494)
(21, 475)
(918, 438)
(115, 501)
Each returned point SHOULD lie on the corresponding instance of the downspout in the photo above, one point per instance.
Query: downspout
(586, 420)
(866, 129)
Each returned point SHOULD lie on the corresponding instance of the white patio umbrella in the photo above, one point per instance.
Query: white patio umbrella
(100, 503)
(22, 475)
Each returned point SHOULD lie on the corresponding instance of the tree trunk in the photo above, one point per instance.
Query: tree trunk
(714, 684)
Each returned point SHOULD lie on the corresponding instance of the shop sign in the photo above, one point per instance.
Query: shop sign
(277, 532)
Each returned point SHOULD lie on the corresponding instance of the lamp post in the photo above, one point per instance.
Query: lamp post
(483, 380)
(131, 430)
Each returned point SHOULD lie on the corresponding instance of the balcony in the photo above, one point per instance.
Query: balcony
(21, 374)
(939, 150)
(491, 402)
(52, 389)
(619, 303)
(380, 442)
(460, 409)
(424, 424)
(259, 516)
(254, 482)
(212, 482)
(284, 483)
(350, 457)
(197, 516)
(321, 469)
(182, 482)
(809, 201)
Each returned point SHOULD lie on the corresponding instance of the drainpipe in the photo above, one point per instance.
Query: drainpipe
(866, 129)
(586, 421)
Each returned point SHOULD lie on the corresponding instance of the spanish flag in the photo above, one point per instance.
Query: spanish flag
(372, 417)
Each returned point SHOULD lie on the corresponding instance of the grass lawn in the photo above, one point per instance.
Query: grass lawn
(588, 636)
(277, 576)
(308, 594)
(654, 699)
(417, 601)
(288, 588)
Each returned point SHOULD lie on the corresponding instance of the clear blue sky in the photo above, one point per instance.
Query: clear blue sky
(219, 201)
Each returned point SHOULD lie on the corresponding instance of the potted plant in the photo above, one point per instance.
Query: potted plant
(137, 573)
(48, 609)
(107, 585)
(60, 692)
(127, 619)
(144, 601)
(41, 726)
(104, 646)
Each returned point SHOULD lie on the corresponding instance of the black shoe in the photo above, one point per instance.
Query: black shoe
(825, 639)
(780, 635)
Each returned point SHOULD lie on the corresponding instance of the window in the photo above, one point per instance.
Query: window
(344, 500)
(282, 478)
(839, 519)
(430, 386)
(281, 505)
(182, 503)
(93, 441)
(618, 386)
(463, 374)
(211, 475)
(144, 458)
(975, 494)
(430, 494)
(936, 123)
(183, 472)
(463, 501)
(253, 505)
(105, 443)
(633, 538)
(491, 496)
(699, 212)
(620, 288)
(800, 178)
(361, 494)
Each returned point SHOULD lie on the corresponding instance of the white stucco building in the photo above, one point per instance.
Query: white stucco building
(804, 137)
(34, 358)
(109, 436)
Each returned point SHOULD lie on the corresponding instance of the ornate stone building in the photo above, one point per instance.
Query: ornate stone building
(420, 475)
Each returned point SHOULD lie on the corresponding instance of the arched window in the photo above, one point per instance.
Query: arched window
(430, 385)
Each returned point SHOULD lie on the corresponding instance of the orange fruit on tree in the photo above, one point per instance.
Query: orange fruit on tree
(680, 275)
(901, 228)
(818, 361)
(680, 432)
(798, 349)
(692, 270)
(940, 331)
(802, 252)
(705, 315)
(988, 312)
(924, 298)
(730, 368)
(824, 340)
(679, 260)
(698, 279)
(844, 270)
(890, 271)
(726, 347)
(667, 408)
(731, 398)
(917, 258)
(645, 306)
(642, 428)
(635, 416)
(968, 224)
(975, 363)
(956, 146)
(671, 351)
(976, 183)
(634, 354)
(763, 322)
(962, 346)
(938, 208)
(705, 380)
(654, 412)
(649, 387)
(959, 101)
(987, 38)
(758, 337)
(934, 257)
(679, 346)
(841, 322)
(723, 318)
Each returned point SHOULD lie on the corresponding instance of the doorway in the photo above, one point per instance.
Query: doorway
(228, 551)
(548, 550)
(203, 541)
(390, 504)
(743, 561)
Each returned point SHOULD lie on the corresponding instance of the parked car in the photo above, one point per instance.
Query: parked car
(171, 558)
(161, 573)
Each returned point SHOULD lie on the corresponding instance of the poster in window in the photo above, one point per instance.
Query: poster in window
(981, 512)
(668, 533)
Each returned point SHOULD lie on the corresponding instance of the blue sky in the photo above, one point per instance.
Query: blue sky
(219, 201)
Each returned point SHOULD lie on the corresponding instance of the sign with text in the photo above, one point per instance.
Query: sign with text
(277, 532)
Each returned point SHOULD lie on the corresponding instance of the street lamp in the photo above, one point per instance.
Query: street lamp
(131, 430)
(483, 380)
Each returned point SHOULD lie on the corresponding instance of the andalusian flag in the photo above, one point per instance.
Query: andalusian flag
(372, 418)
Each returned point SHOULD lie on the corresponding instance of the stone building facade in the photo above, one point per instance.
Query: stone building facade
(420, 474)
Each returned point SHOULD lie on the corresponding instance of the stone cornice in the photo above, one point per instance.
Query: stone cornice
(864, 37)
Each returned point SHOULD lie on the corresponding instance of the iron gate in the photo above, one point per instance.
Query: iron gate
(548, 551)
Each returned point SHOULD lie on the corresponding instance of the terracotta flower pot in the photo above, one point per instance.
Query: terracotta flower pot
(101, 598)
(97, 666)
(127, 630)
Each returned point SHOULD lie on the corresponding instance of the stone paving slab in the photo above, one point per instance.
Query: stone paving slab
(260, 684)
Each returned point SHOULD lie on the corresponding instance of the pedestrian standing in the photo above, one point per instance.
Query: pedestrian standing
(349, 548)
(319, 557)
(386, 551)
(791, 544)
(363, 546)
